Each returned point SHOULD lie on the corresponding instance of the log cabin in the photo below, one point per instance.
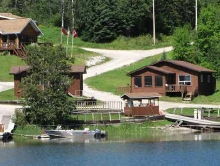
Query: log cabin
(15, 32)
(173, 76)
(76, 74)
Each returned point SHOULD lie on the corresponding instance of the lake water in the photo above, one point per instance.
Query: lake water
(153, 148)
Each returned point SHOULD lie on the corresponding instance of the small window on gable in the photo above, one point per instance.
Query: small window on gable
(137, 82)
(201, 78)
(148, 81)
(158, 81)
(209, 79)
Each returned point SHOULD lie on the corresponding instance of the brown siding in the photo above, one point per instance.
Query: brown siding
(17, 82)
(136, 111)
(77, 86)
(160, 90)
(29, 31)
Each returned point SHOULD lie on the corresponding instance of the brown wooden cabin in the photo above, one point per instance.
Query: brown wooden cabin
(141, 104)
(75, 89)
(172, 76)
(15, 32)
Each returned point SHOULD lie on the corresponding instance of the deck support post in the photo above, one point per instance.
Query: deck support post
(93, 117)
(119, 116)
(110, 118)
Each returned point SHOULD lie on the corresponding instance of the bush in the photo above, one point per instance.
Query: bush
(19, 118)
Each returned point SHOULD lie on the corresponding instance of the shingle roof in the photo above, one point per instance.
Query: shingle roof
(141, 95)
(9, 16)
(74, 69)
(16, 26)
(186, 65)
(153, 68)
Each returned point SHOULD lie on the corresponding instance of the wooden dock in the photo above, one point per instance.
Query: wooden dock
(194, 123)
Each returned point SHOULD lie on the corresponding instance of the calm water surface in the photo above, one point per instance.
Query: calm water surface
(154, 148)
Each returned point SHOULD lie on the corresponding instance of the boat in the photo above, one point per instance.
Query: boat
(59, 133)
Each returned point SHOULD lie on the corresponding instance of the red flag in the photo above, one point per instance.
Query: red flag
(74, 33)
(64, 31)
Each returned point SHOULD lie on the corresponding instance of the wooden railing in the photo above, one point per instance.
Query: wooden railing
(176, 88)
(7, 45)
(126, 89)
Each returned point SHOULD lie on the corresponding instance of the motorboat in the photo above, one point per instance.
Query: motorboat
(59, 133)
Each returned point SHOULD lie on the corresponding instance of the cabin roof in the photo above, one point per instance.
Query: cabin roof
(187, 65)
(184, 64)
(9, 16)
(16, 26)
(148, 95)
(153, 68)
(74, 69)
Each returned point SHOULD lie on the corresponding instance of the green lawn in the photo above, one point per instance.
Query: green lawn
(53, 35)
(8, 95)
(117, 78)
(6, 62)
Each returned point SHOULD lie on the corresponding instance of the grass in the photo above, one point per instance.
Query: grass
(117, 78)
(190, 112)
(53, 35)
(6, 62)
(28, 130)
(123, 128)
(8, 95)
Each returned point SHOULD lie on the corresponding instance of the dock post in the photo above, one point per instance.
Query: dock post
(209, 113)
(93, 117)
(110, 118)
(174, 111)
(101, 117)
(85, 117)
(119, 114)
(181, 111)
(218, 112)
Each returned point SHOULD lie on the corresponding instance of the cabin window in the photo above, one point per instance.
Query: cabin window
(137, 82)
(148, 80)
(184, 80)
(201, 78)
(158, 81)
(209, 79)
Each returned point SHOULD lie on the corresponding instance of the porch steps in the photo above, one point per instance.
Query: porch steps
(20, 52)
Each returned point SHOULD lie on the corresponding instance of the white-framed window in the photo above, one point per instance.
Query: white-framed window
(201, 78)
(184, 79)
(208, 78)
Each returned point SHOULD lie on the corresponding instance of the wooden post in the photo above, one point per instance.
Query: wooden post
(110, 118)
(209, 113)
(218, 112)
(154, 31)
(93, 117)
(101, 117)
(181, 111)
(174, 111)
(85, 117)
(119, 114)
(77, 117)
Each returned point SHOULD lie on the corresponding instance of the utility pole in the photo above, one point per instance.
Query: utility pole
(72, 29)
(62, 4)
(196, 10)
(154, 32)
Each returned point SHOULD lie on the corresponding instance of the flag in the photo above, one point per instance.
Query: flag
(64, 31)
(74, 33)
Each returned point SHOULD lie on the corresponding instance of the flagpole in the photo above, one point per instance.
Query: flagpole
(154, 31)
(62, 21)
(196, 8)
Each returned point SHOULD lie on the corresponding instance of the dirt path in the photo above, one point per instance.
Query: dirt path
(119, 59)
(6, 85)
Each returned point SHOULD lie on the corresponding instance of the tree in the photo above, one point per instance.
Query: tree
(182, 44)
(44, 89)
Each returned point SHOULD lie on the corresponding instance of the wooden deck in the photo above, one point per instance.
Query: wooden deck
(191, 122)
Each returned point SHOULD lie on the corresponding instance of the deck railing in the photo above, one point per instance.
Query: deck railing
(176, 88)
(7, 45)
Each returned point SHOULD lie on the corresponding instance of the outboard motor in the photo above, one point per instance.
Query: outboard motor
(97, 133)
(6, 137)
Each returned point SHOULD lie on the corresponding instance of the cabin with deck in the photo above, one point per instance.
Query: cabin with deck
(171, 76)
(76, 74)
(16, 32)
